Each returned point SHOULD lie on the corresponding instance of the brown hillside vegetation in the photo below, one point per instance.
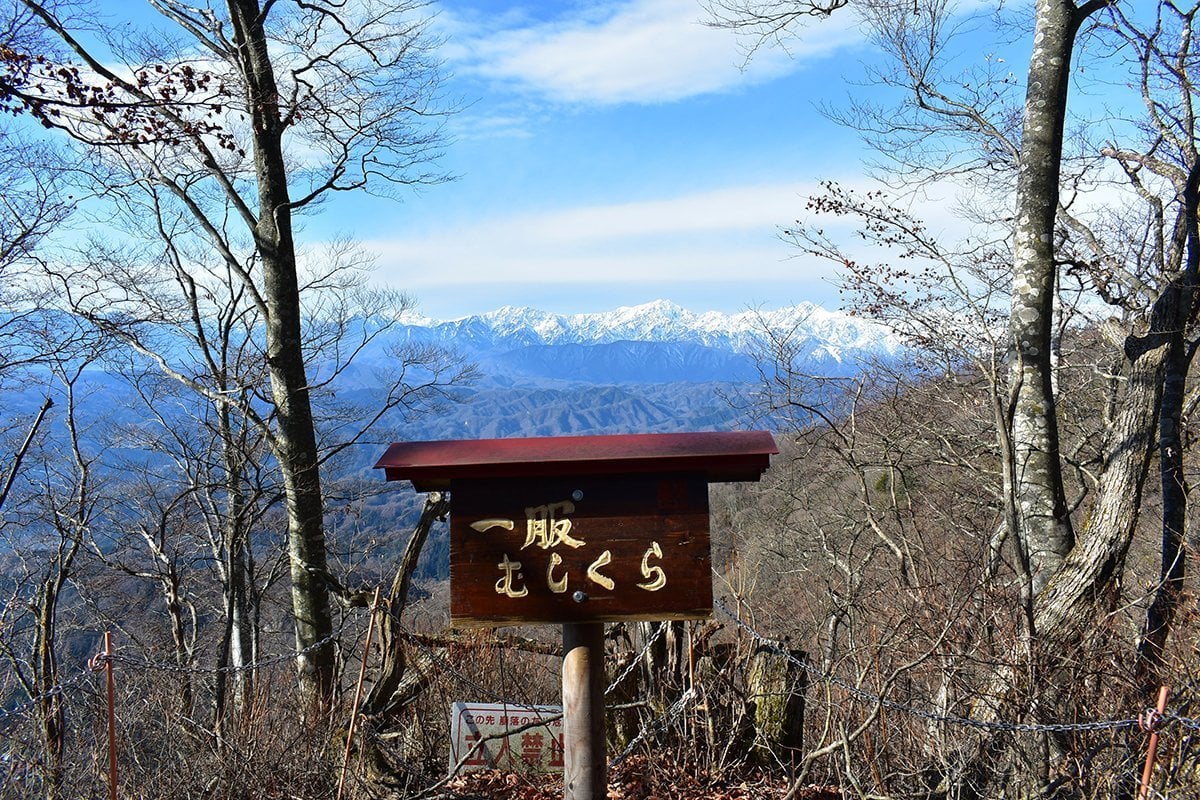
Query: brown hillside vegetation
(858, 569)
(640, 778)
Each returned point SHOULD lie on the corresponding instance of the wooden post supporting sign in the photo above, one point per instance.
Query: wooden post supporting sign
(580, 530)
(585, 774)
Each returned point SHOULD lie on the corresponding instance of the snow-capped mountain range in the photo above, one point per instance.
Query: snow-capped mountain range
(831, 334)
(655, 367)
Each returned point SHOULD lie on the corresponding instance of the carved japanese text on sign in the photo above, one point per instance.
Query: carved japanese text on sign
(547, 527)
(594, 548)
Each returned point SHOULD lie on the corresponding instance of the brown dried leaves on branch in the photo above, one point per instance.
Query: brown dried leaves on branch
(162, 104)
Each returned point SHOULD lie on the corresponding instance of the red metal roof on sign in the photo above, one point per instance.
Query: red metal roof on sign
(721, 456)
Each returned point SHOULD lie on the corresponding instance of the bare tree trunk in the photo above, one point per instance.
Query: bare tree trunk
(1161, 613)
(1169, 594)
(1047, 537)
(1041, 500)
(379, 707)
(51, 715)
(1079, 589)
(664, 661)
(379, 697)
(1066, 607)
(183, 647)
(295, 440)
(240, 635)
(235, 540)
(69, 520)
(775, 687)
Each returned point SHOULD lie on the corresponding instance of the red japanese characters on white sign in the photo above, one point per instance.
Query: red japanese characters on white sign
(527, 738)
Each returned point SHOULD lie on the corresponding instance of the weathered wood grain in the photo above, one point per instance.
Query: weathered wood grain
(580, 549)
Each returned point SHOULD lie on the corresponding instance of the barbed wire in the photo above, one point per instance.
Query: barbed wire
(165, 666)
(864, 695)
(856, 692)
(146, 664)
(157, 666)
(441, 661)
(633, 664)
(492, 694)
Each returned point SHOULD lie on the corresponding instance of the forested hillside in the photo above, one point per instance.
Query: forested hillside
(964, 576)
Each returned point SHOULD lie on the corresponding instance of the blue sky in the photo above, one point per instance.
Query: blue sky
(612, 153)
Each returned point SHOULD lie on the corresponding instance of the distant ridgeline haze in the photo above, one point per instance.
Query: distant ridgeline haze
(652, 368)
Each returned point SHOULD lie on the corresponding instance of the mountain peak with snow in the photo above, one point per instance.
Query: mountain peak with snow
(642, 368)
(664, 321)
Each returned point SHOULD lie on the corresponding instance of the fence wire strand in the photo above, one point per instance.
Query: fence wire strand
(191, 669)
(440, 662)
(863, 695)
(144, 664)
(58, 689)
(492, 694)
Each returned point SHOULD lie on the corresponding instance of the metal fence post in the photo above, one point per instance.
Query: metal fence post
(1151, 724)
(104, 660)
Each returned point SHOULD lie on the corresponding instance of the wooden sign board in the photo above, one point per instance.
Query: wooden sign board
(580, 530)
(580, 549)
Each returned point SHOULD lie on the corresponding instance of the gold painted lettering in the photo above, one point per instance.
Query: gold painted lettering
(657, 579)
(593, 571)
(511, 570)
(556, 586)
(544, 528)
(487, 524)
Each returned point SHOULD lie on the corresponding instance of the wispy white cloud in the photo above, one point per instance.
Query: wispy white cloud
(722, 244)
(641, 51)
(705, 236)
(474, 126)
(698, 237)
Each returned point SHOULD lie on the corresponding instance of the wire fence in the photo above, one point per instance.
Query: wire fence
(145, 664)
(865, 696)
(858, 693)
(438, 658)
(76, 681)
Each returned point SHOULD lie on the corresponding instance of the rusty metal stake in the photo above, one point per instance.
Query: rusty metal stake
(104, 660)
(362, 673)
(1151, 723)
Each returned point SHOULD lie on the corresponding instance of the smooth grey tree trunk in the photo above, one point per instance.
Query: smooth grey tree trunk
(295, 440)
(1044, 522)
(1046, 536)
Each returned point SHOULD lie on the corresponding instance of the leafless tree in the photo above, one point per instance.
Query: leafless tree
(207, 127)
(47, 532)
(1074, 510)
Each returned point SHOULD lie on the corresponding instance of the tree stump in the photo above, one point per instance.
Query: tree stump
(775, 690)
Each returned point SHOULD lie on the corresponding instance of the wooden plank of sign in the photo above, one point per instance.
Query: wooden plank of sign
(580, 549)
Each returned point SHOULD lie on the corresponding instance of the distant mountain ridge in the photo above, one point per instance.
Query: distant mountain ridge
(655, 367)
(661, 321)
